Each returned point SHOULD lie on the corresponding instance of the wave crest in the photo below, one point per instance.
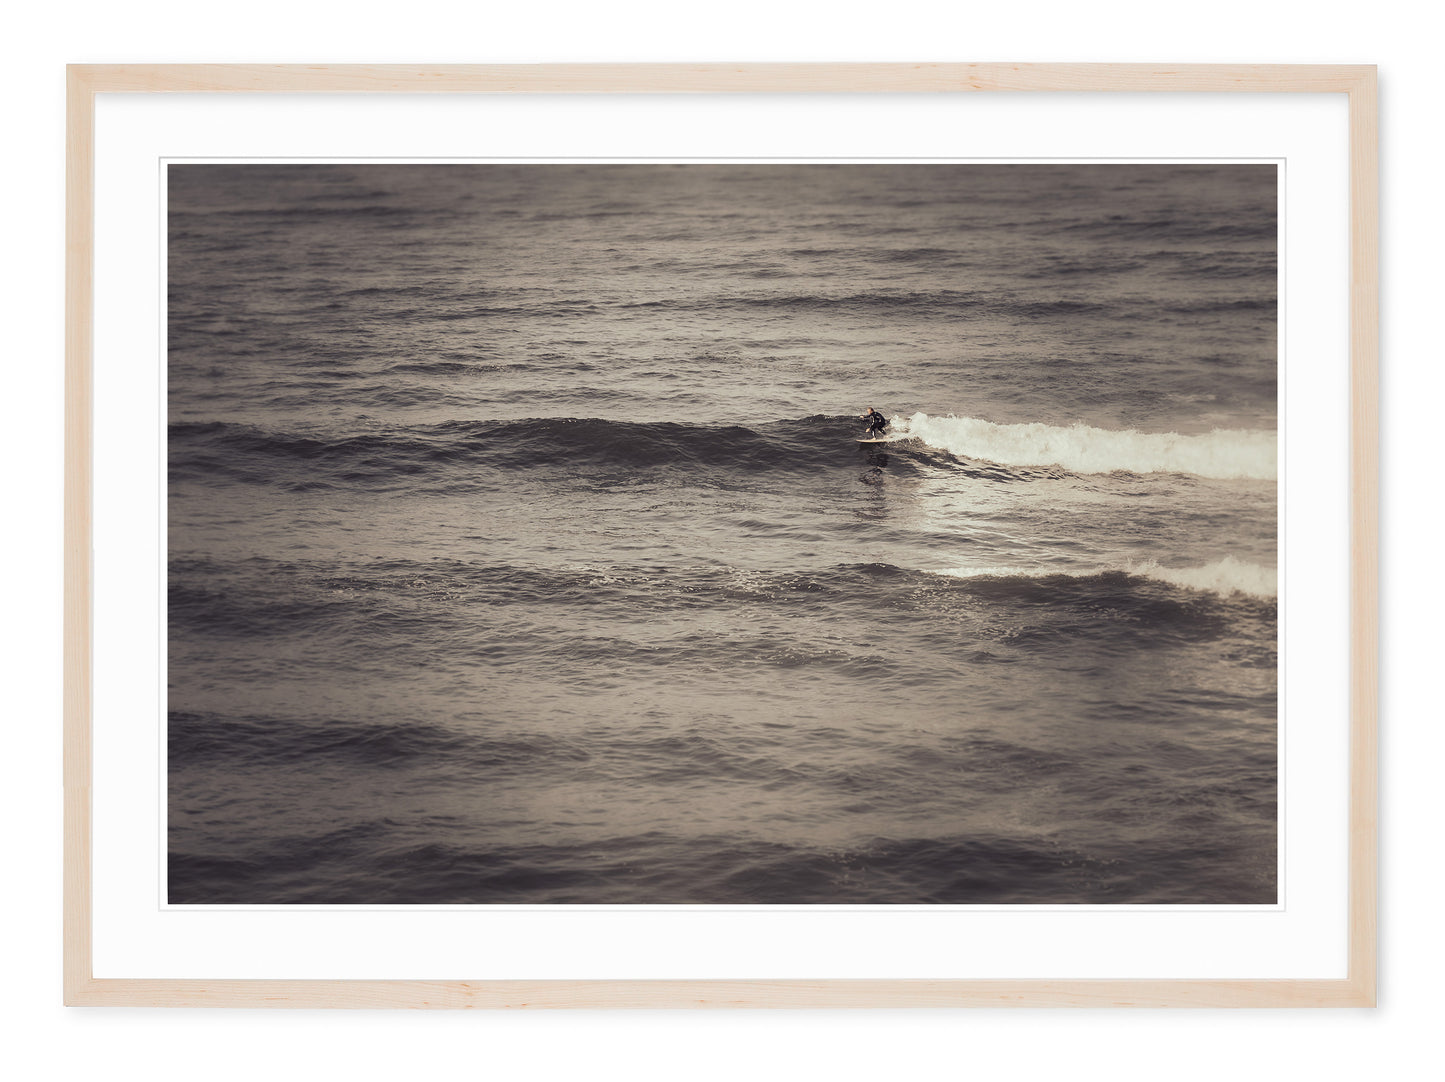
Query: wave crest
(1223, 453)
(1226, 576)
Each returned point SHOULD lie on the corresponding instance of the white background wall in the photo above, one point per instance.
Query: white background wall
(43, 1040)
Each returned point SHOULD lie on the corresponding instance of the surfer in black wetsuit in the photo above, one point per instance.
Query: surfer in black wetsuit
(877, 422)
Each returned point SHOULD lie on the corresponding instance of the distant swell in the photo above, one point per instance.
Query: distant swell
(1220, 454)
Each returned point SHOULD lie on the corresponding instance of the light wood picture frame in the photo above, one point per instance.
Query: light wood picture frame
(86, 82)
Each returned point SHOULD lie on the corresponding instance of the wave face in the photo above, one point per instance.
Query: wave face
(520, 548)
(456, 452)
(1082, 449)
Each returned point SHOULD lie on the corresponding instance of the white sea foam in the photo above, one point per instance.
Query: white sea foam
(1223, 453)
(1226, 576)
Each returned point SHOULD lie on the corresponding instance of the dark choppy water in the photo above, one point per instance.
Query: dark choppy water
(520, 549)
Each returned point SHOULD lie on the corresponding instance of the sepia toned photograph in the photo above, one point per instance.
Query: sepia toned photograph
(722, 534)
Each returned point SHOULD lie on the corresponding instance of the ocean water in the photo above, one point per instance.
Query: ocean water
(521, 549)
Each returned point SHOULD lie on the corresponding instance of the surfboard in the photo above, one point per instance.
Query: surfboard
(873, 441)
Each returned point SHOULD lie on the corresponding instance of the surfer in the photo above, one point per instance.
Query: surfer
(877, 422)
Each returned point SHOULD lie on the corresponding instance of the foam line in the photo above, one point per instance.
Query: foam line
(1223, 453)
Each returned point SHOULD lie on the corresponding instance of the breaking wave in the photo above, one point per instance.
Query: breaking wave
(1226, 576)
(1229, 454)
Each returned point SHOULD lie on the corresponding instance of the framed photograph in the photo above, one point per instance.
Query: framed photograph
(721, 536)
